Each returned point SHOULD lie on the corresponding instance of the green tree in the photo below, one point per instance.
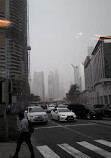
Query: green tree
(73, 94)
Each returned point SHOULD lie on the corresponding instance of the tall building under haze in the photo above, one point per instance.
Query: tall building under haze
(56, 84)
(38, 85)
(76, 74)
(53, 85)
(13, 46)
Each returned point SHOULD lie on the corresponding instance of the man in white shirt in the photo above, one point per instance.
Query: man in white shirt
(23, 129)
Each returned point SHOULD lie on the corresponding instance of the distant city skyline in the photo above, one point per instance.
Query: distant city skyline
(61, 32)
(53, 86)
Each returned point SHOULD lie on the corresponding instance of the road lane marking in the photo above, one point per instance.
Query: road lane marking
(72, 151)
(104, 142)
(65, 127)
(54, 123)
(46, 127)
(47, 152)
(57, 125)
(96, 149)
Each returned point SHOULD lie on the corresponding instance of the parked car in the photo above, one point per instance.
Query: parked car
(62, 106)
(63, 114)
(87, 111)
(36, 114)
(50, 107)
(107, 110)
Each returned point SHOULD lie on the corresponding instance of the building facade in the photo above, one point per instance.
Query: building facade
(53, 85)
(38, 85)
(81, 78)
(13, 47)
(98, 73)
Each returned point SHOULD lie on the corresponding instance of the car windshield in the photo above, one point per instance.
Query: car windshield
(63, 110)
(36, 110)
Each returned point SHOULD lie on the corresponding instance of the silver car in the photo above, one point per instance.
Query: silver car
(36, 114)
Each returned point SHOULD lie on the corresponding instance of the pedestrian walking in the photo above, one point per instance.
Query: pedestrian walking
(24, 135)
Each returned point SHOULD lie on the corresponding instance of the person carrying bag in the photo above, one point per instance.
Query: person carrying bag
(25, 129)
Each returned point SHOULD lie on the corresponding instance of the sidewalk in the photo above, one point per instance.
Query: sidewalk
(7, 149)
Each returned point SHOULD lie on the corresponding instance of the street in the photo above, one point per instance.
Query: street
(81, 139)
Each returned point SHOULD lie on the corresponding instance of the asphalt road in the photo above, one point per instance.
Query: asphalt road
(80, 139)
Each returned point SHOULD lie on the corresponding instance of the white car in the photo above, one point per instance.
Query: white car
(50, 107)
(36, 114)
(63, 114)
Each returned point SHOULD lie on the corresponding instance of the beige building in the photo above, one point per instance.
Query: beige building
(97, 69)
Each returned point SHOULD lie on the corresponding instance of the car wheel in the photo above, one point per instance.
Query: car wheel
(88, 116)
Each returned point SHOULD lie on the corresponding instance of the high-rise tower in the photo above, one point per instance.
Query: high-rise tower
(13, 45)
(38, 85)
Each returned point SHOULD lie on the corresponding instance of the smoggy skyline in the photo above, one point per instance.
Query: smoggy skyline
(61, 32)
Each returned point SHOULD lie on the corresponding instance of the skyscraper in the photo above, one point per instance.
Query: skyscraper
(38, 85)
(13, 45)
(76, 74)
(56, 84)
(53, 85)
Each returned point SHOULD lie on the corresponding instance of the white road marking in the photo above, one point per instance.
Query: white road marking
(47, 127)
(96, 149)
(104, 142)
(47, 152)
(72, 151)
(62, 126)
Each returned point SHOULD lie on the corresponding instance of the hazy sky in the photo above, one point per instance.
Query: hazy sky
(62, 30)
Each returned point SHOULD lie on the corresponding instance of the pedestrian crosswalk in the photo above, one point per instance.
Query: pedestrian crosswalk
(47, 152)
